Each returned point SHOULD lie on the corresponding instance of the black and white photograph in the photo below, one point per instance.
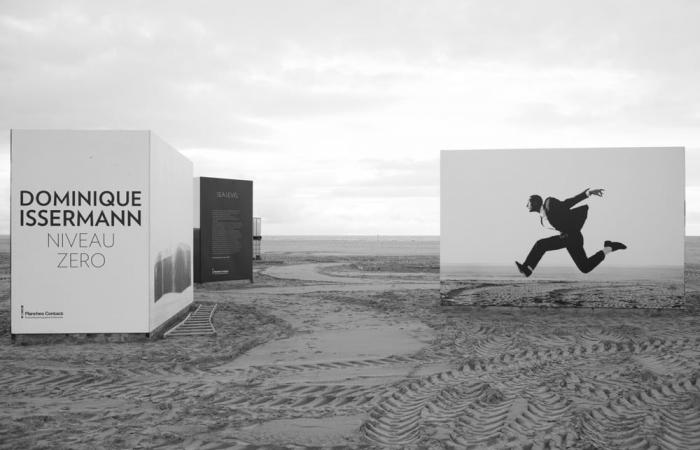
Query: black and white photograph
(563, 227)
(335, 224)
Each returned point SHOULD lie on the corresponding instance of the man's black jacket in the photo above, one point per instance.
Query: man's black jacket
(562, 217)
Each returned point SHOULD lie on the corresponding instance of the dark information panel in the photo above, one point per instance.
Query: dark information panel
(225, 237)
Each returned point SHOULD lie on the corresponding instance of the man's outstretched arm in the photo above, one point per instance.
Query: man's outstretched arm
(569, 202)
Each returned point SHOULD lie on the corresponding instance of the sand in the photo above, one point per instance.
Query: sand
(620, 294)
(356, 351)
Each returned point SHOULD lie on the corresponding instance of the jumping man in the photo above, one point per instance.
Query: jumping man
(558, 215)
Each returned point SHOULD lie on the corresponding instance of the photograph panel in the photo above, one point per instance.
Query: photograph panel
(563, 227)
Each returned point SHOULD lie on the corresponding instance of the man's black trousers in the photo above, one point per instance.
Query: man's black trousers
(573, 242)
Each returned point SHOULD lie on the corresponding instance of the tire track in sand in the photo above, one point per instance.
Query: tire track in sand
(275, 369)
(304, 398)
(79, 384)
(666, 416)
(486, 400)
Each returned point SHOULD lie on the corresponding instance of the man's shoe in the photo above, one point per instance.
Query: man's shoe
(615, 245)
(523, 269)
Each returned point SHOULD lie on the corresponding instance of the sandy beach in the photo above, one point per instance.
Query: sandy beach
(349, 346)
(614, 287)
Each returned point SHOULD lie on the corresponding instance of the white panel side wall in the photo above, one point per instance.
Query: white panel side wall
(55, 266)
(171, 287)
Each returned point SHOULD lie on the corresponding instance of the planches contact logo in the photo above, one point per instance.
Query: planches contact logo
(25, 314)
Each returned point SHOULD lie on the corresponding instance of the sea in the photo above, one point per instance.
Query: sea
(336, 245)
(353, 245)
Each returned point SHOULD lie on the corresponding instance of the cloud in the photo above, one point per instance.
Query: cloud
(330, 103)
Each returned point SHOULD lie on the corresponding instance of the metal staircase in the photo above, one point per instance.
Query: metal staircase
(197, 323)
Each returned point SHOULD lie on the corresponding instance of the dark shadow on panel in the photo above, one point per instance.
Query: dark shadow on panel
(172, 271)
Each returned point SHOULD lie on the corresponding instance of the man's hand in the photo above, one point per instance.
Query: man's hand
(598, 192)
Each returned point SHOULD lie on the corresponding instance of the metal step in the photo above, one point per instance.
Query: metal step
(197, 323)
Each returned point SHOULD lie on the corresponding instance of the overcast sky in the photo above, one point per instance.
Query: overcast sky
(338, 109)
(484, 219)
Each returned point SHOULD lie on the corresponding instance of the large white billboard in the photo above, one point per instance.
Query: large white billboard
(87, 214)
(596, 227)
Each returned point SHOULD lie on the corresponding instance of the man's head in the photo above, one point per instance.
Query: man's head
(534, 203)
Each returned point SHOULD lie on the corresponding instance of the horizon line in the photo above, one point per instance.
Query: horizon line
(363, 235)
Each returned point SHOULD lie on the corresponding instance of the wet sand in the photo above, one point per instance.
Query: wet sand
(356, 351)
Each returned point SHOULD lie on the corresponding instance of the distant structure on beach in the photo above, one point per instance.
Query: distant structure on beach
(257, 237)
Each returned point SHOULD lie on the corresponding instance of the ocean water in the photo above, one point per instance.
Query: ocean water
(336, 245)
(353, 245)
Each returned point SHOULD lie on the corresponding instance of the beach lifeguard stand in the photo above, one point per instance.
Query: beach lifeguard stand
(257, 237)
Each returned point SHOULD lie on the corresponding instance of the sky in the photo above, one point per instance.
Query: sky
(484, 219)
(338, 110)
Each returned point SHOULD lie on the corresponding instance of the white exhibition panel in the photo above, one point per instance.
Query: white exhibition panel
(80, 262)
(592, 227)
(171, 231)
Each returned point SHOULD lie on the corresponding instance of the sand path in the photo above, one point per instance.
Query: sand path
(345, 342)
(348, 282)
(323, 272)
(341, 356)
(308, 272)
